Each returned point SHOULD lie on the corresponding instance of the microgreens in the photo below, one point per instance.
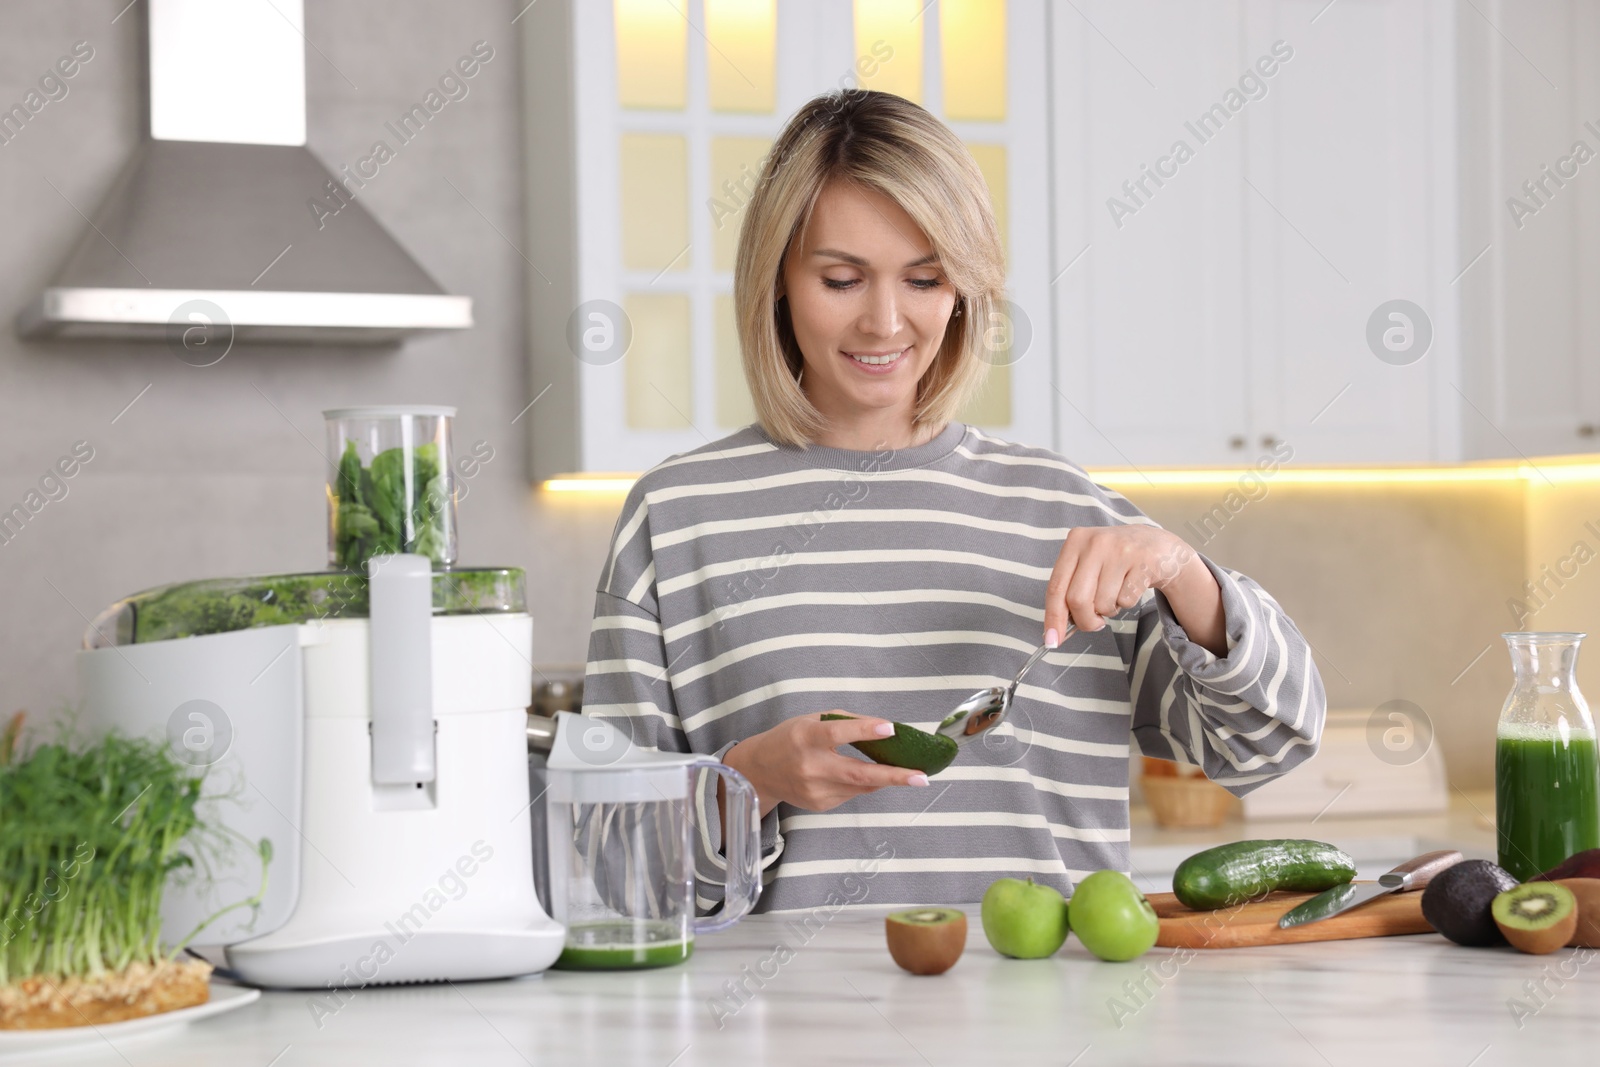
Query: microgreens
(89, 834)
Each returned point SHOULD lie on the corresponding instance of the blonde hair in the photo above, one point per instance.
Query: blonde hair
(886, 143)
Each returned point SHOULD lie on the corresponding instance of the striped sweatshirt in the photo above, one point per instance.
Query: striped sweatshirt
(749, 582)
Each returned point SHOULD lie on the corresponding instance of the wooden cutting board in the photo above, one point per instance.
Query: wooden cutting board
(1256, 923)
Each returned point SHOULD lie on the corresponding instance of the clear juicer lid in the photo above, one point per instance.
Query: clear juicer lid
(222, 605)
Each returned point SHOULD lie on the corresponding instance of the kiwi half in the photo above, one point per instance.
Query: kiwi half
(926, 940)
(1537, 917)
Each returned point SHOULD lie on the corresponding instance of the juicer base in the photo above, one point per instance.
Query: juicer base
(387, 956)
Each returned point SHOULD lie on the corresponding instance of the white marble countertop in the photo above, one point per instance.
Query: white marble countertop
(835, 997)
(838, 999)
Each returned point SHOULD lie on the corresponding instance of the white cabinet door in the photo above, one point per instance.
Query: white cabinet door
(1533, 326)
(1585, 435)
(1148, 233)
(1347, 209)
(1240, 188)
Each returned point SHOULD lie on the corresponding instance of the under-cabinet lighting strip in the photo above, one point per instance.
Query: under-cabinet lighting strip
(1552, 473)
(1134, 479)
(590, 483)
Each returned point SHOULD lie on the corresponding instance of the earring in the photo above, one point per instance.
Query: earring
(957, 313)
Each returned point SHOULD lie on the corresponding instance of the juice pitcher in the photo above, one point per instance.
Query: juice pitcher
(1546, 772)
(622, 843)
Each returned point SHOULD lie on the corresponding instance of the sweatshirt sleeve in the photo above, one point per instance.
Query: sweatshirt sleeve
(628, 682)
(1245, 717)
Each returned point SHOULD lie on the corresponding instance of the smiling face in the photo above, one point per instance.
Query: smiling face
(869, 305)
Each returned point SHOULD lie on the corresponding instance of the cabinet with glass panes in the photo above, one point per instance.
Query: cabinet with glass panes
(648, 122)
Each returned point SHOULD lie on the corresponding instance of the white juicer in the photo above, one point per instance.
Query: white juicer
(363, 731)
(383, 757)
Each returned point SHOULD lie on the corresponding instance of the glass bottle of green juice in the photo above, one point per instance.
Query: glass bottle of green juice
(1546, 771)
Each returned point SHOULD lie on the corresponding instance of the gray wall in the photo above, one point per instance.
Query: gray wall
(1398, 589)
(210, 472)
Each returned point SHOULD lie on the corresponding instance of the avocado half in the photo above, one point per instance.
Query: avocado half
(911, 748)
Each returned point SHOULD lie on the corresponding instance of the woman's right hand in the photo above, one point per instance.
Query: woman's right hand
(795, 762)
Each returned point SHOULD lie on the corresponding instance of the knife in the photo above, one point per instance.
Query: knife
(1412, 874)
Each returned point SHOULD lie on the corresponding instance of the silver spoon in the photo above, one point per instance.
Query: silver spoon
(986, 709)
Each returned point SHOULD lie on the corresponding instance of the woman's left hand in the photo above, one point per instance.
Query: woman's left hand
(1104, 569)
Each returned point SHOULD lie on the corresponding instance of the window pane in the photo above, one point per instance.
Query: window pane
(652, 54)
(992, 406)
(655, 201)
(889, 46)
(991, 159)
(735, 172)
(742, 54)
(660, 377)
(972, 51)
(734, 406)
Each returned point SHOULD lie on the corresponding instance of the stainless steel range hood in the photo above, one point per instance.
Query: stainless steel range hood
(225, 213)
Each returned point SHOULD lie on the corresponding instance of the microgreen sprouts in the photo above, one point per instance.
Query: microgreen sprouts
(89, 834)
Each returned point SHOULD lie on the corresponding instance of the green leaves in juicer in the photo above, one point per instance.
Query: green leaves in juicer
(374, 514)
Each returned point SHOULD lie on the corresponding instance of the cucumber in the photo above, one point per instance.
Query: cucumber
(1245, 870)
(910, 747)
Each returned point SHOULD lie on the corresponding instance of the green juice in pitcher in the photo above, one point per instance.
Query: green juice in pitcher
(1546, 773)
(622, 946)
(1547, 797)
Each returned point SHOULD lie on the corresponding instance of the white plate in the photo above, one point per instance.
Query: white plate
(224, 997)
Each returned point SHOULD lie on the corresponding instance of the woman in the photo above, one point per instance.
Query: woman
(856, 550)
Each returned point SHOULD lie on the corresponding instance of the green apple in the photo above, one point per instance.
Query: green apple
(1112, 918)
(1024, 920)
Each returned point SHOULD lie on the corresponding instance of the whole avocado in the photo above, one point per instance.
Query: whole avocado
(1459, 902)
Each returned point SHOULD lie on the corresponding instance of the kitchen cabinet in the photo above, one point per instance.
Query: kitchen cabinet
(1531, 196)
(647, 125)
(1244, 185)
(1216, 216)
(1151, 341)
(1348, 168)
